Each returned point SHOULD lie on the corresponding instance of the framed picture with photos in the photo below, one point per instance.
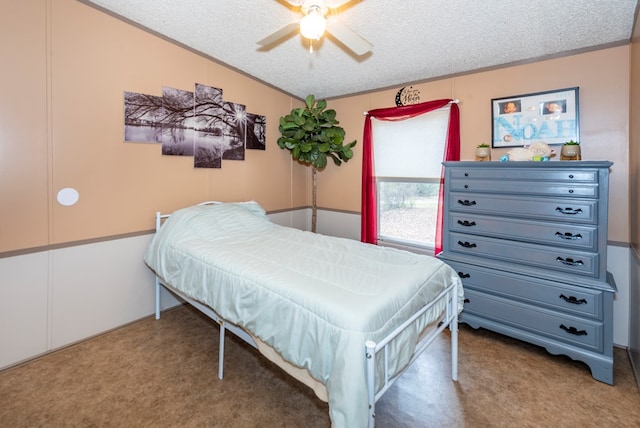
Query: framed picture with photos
(549, 117)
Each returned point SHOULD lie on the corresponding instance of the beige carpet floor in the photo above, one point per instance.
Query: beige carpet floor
(164, 374)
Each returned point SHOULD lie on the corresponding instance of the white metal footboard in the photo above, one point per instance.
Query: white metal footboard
(450, 320)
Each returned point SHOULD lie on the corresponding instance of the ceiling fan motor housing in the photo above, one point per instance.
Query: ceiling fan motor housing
(314, 5)
(313, 24)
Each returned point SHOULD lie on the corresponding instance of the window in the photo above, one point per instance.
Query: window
(408, 158)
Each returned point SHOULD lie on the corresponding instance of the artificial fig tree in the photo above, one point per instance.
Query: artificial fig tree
(312, 136)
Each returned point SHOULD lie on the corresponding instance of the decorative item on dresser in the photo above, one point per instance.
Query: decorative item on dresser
(483, 152)
(529, 240)
(570, 151)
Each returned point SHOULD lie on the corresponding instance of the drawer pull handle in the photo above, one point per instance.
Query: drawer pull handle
(466, 223)
(573, 299)
(573, 330)
(466, 244)
(569, 210)
(568, 236)
(466, 202)
(464, 275)
(568, 261)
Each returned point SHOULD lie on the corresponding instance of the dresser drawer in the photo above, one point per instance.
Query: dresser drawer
(559, 326)
(542, 256)
(554, 234)
(530, 174)
(553, 295)
(542, 188)
(568, 210)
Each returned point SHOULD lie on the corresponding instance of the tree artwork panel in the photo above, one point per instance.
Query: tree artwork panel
(234, 131)
(256, 126)
(178, 134)
(209, 127)
(143, 115)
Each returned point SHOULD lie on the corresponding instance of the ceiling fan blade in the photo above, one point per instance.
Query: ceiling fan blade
(336, 4)
(351, 40)
(333, 4)
(280, 34)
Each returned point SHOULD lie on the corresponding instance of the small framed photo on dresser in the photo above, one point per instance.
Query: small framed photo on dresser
(549, 117)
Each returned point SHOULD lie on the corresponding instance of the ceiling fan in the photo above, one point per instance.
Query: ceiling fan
(314, 23)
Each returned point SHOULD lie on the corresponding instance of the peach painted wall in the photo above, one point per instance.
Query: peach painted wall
(603, 79)
(634, 202)
(634, 143)
(24, 161)
(61, 125)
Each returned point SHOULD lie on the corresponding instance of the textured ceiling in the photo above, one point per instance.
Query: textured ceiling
(412, 41)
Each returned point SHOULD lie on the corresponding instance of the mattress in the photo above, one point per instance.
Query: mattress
(314, 299)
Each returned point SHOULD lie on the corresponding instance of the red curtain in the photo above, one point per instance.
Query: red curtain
(369, 222)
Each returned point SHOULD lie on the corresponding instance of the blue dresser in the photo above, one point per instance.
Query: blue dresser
(529, 240)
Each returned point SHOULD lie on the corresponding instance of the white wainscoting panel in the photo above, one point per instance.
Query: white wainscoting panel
(335, 223)
(54, 298)
(634, 316)
(618, 265)
(299, 219)
(23, 307)
(98, 287)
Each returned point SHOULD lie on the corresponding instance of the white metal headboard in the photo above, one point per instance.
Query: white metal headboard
(160, 217)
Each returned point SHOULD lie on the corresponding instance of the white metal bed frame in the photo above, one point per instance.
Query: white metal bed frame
(372, 349)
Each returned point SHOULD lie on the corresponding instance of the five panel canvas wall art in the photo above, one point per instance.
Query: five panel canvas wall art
(200, 124)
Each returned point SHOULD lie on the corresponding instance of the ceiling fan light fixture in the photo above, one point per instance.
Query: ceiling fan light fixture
(313, 24)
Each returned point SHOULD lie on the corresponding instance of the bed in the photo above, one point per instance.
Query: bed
(343, 317)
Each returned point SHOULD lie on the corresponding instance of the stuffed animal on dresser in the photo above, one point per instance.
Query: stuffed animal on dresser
(535, 151)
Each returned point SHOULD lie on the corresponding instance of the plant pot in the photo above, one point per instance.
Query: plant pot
(483, 152)
(570, 152)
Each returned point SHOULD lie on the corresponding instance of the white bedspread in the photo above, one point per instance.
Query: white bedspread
(315, 299)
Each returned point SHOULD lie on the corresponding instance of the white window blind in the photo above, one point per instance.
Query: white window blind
(410, 148)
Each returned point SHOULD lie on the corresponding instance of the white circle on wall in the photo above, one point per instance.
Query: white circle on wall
(68, 196)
